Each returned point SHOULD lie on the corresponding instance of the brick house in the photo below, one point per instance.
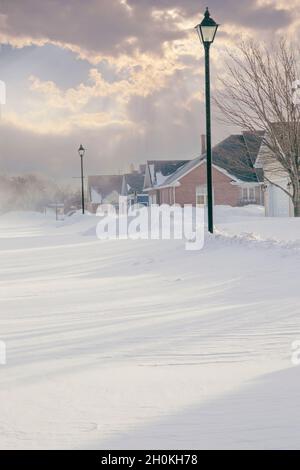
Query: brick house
(156, 173)
(235, 180)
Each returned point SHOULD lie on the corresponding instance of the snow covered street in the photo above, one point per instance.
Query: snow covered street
(141, 344)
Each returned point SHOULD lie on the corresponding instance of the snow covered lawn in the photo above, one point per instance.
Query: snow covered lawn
(141, 344)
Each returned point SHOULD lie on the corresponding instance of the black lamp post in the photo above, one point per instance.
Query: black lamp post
(81, 152)
(207, 30)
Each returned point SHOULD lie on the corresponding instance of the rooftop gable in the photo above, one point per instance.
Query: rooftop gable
(158, 171)
(102, 186)
(133, 183)
(234, 156)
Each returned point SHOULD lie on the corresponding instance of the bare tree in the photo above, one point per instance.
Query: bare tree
(256, 93)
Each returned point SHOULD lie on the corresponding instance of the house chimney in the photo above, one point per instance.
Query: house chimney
(203, 144)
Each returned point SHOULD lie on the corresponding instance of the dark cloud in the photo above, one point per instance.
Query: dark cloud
(105, 26)
(102, 26)
(245, 12)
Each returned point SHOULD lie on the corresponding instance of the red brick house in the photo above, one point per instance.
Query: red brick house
(235, 180)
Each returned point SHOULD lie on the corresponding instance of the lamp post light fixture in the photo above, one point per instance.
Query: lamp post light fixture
(81, 152)
(207, 30)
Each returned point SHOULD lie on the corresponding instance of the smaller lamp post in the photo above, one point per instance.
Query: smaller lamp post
(81, 152)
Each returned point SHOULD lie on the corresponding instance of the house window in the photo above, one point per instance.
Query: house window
(201, 195)
(252, 194)
(248, 194)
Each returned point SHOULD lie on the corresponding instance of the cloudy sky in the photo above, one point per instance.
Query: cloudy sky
(123, 77)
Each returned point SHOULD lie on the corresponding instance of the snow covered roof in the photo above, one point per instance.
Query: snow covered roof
(100, 187)
(96, 198)
(134, 182)
(235, 155)
(160, 178)
(160, 170)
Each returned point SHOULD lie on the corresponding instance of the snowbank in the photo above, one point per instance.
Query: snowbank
(141, 343)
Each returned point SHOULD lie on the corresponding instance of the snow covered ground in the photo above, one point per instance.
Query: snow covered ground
(142, 344)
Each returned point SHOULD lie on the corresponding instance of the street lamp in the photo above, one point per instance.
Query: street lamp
(207, 30)
(81, 152)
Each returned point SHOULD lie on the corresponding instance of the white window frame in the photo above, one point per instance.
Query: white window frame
(201, 193)
(153, 198)
(248, 194)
